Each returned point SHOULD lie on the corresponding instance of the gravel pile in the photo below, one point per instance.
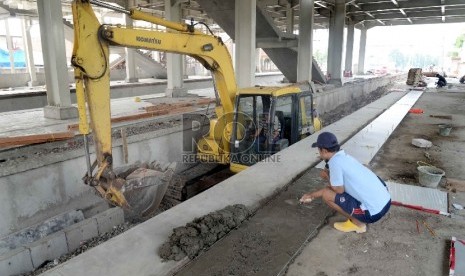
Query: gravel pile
(84, 247)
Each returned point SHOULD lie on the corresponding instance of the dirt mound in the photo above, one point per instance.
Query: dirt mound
(203, 232)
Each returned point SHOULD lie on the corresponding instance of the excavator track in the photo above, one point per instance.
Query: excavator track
(192, 180)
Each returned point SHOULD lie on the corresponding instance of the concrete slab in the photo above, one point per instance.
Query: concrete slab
(48, 248)
(38, 231)
(80, 232)
(16, 262)
(428, 198)
(140, 243)
(108, 219)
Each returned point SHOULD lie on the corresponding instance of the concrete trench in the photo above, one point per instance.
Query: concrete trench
(57, 186)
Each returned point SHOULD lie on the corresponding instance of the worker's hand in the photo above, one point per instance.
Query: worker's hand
(324, 174)
(306, 198)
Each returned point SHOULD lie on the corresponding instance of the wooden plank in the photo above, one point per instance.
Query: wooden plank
(34, 139)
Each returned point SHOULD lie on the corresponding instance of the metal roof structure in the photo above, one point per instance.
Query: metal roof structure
(363, 13)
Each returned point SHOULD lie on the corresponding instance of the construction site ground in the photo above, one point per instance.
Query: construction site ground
(285, 238)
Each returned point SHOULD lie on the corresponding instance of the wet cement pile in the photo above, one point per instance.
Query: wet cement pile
(202, 233)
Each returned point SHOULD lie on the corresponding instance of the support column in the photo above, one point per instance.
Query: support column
(349, 50)
(305, 46)
(56, 70)
(245, 13)
(361, 52)
(27, 41)
(174, 61)
(258, 64)
(336, 42)
(9, 45)
(185, 74)
(131, 75)
(289, 19)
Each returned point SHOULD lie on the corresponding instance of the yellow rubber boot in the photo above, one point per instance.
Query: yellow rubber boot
(349, 226)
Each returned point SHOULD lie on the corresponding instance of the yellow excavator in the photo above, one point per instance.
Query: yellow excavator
(250, 124)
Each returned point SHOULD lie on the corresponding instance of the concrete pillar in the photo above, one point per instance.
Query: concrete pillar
(305, 46)
(54, 54)
(174, 61)
(185, 74)
(361, 52)
(258, 65)
(131, 75)
(27, 41)
(245, 12)
(349, 50)
(233, 56)
(9, 45)
(336, 42)
(289, 19)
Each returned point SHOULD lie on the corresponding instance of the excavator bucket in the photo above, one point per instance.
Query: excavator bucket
(144, 187)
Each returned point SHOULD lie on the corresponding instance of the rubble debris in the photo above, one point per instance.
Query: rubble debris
(202, 233)
(178, 105)
(421, 143)
(455, 185)
(414, 76)
(75, 127)
(124, 171)
(144, 190)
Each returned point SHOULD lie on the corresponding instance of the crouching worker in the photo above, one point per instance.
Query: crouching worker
(354, 190)
(441, 81)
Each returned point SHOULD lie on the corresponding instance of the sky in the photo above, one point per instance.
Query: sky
(432, 39)
(435, 39)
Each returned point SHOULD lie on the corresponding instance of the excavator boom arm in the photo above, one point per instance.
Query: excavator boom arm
(92, 73)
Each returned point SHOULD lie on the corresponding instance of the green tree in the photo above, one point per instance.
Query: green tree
(459, 41)
(320, 57)
(398, 58)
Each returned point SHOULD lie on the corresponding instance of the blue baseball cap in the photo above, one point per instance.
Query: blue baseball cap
(326, 140)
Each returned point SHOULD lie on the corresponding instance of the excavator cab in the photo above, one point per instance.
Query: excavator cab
(267, 120)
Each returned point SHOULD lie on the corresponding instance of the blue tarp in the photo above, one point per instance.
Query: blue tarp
(18, 55)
